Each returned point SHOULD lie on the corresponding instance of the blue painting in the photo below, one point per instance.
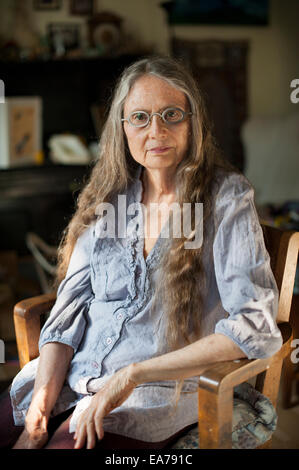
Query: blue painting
(218, 12)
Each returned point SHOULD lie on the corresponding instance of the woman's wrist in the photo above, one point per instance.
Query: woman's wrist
(41, 402)
(134, 374)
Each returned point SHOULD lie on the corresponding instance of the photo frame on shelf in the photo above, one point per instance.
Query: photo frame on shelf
(63, 37)
(20, 131)
(81, 7)
(46, 5)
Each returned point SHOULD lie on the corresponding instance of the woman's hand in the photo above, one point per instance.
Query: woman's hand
(111, 395)
(35, 434)
(53, 364)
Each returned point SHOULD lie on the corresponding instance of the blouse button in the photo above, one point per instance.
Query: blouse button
(109, 340)
(95, 364)
(119, 316)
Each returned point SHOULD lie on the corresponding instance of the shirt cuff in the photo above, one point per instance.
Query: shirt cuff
(256, 345)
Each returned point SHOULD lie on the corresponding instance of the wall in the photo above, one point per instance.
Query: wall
(272, 65)
(273, 59)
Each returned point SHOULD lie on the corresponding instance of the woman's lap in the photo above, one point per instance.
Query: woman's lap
(62, 439)
(59, 436)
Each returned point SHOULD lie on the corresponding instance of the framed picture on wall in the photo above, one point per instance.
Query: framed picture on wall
(20, 131)
(218, 12)
(46, 5)
(81, 7)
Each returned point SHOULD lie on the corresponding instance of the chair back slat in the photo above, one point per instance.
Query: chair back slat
(283, 249)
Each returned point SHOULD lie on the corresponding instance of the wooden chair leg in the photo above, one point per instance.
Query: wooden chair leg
(287, 382)
(266, 445)
(267, 382)
(215, 413)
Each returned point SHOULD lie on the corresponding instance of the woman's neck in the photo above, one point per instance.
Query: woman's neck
(158, 186)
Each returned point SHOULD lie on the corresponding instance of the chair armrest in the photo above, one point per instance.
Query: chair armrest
(27, 315)
(232, 373)
(216, 388)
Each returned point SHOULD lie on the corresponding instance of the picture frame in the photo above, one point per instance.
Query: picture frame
(46, 5)
(81, 7)
(63, 37)
(218, 12)
(20, 131)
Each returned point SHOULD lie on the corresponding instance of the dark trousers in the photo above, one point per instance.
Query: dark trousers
(60, 438)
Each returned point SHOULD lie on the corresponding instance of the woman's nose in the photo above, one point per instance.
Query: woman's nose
(157, 126)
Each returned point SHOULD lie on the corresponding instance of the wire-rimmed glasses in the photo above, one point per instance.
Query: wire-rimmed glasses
(169, 116)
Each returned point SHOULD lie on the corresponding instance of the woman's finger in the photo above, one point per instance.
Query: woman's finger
(80, 436)
(91, 439)
(99, 427)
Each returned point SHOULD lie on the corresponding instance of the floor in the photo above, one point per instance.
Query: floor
(286, 435)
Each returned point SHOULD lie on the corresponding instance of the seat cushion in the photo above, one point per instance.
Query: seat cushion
(254, 421)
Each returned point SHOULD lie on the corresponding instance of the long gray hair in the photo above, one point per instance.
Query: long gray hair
(182, 274)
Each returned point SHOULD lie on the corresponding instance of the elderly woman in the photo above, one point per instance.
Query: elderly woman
(140, 315)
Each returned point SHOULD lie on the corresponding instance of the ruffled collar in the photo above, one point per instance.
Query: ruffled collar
(136, 230)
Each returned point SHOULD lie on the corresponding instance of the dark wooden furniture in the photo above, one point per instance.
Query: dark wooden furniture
(39, 199)
(215, 394)
(68, 88)
(220, 68)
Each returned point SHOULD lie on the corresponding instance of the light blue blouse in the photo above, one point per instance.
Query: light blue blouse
(104, 312)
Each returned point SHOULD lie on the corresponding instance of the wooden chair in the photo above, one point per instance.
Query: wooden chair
(216, 385)
(290, 373)
(45, 257)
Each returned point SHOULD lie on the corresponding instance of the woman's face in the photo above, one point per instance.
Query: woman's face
(158, 145)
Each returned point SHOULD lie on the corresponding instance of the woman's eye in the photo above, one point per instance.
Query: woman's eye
(139, 117)
(172, 115)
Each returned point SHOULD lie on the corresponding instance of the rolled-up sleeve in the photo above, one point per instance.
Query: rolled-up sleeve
(244, 277)
(67, 320)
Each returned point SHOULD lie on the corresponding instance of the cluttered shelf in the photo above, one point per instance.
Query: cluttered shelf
(106, 63)
(54, 98)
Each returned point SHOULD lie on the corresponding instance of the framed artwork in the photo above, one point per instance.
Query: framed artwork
(218, 12)
(63, 37)
(20, 131)
(46, 5)
(81, 7)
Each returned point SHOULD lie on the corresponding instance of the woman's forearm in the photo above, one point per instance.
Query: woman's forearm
(52, 369)
(186, 362)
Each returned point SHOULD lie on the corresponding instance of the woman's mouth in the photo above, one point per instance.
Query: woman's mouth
(159, 149)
